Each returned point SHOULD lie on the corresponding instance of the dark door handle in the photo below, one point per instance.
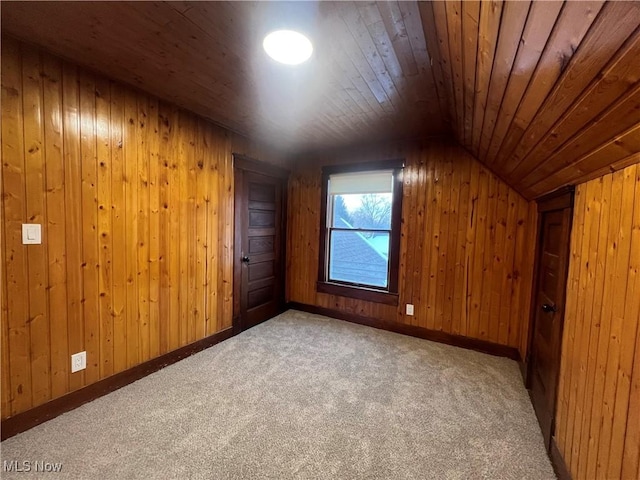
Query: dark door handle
(245, 259)
(549, 308)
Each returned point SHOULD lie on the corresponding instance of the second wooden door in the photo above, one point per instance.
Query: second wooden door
(548, 308)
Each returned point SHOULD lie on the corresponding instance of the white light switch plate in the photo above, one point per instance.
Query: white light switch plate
(409, 309)
(31, 234)
(78, 361)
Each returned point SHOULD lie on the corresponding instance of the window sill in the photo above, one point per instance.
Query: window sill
(360, 293)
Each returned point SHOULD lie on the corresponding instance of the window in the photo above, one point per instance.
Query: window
(360, 231)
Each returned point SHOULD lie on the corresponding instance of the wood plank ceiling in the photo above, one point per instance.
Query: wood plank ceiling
(545, 93)
(370, 65)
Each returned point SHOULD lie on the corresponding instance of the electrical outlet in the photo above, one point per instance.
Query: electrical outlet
(78, 361)
(409, 309)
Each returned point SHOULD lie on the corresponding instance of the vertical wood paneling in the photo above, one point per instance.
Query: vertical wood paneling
(14, 206)
(452, 248)
(73, 211)
(144, 154)
(499, 272)
(586, 284)
(597, 429)
(135, 201)
(459, 301)
(190, 304)
(171, 241)
(163, 224)
(154, 230)
(414, 179)
(487, 258)
(36, 213)
(433, 232)
(466, 239)
(569, 330)
(629, 308)
(105, 232)
(508, 277)
(118, 225)
(5, 394)
(130, 180)
(226, 218)
(614, 373)
(443, 237)
(526, 234)
(630, 373)
(56, 228)
(201, 232)
(182, 242)
(90, 261)
(479, 216)
(631, 454)
(212, 248)
(469, 221)
(597, 259)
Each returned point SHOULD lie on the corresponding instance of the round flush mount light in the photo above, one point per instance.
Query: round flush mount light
(288, 47)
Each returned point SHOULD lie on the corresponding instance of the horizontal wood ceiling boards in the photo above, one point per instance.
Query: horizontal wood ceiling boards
(532, 88)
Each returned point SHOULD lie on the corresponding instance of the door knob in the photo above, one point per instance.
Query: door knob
(245, 259)
(549, 308)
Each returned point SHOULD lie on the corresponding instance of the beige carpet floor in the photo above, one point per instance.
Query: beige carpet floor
(303, 396)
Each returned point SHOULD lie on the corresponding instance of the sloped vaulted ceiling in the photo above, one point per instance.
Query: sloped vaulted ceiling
(544, 93)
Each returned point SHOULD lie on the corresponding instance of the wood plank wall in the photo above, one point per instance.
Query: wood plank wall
(136, 205)
(598, 418)
(467, 244)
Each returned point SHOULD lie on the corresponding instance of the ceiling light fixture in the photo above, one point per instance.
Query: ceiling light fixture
(288, 47)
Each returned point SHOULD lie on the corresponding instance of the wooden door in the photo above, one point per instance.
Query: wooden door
(548, 308)
(259, 247)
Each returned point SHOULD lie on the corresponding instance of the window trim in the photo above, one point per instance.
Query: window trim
(387, 296)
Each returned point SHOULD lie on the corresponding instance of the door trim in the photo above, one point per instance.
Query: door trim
(557, 200)
(252, 165)
(561, 199)
(242, 164)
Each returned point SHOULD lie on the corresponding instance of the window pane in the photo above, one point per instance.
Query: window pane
(359, 257)
(370, 210)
